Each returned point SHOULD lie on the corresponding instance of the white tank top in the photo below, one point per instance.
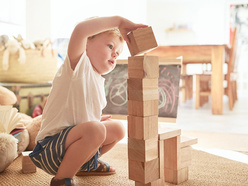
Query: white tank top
(76, 97)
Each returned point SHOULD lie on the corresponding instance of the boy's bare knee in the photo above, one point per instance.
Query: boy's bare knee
(120, 130)
(98, 132)
(94, 132)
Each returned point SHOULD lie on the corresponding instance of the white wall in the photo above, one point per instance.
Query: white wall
(205, 21)
(66, 14)
(38, 19)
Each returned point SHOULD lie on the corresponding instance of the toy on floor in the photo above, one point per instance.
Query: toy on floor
(17, 130)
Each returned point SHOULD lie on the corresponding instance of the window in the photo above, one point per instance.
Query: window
(12, 17)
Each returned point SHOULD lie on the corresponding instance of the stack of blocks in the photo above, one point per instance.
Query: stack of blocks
(143, 73)
(154, 156)
(174, 155)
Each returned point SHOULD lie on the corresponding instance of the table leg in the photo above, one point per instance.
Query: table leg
(217, 90)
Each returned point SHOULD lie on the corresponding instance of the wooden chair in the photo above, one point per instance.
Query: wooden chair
(186, 84)
(186, 87)
(203, 81)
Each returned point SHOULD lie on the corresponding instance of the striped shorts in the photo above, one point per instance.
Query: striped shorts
(49, 152)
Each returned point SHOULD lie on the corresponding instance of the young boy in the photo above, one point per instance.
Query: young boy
(73, 133)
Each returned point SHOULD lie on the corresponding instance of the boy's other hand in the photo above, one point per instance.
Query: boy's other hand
(105, 117)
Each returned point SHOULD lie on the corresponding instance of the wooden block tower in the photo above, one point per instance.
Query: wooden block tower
(142, 83)
(154, 155)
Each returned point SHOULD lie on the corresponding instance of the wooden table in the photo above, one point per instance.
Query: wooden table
(214, 54)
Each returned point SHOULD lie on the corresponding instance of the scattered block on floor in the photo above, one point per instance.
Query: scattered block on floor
(141, 41)
(144, 172)
(142, 150)
(27, 164)
(143, 67)
(143, 108)
(142, 127)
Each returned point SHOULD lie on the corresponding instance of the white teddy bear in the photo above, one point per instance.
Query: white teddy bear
(8, 150)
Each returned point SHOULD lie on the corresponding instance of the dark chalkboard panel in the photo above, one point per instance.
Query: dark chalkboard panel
(116, 89)
(168, 83)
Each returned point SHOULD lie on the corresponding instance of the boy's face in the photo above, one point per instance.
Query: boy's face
(103, 51)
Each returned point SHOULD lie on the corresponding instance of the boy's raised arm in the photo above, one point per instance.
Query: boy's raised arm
(78, 40)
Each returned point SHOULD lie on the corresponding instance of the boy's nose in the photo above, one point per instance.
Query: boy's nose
(114, 55)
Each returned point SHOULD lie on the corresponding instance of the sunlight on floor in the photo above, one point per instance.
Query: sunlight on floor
(232, 155)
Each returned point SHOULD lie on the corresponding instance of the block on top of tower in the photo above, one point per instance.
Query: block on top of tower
(141, 41)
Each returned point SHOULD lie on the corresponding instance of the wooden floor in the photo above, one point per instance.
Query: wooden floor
(235, 121)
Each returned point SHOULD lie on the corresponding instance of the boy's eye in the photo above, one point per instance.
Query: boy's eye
(110, 46)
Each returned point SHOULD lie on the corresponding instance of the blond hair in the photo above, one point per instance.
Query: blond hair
(114, 32)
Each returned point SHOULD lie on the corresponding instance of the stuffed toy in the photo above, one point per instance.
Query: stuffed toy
(8, 150)
(24, 43)
(11, 146)
(3, 40)
(42, 45)
(33, 127)
(7, 97)
(13, 47)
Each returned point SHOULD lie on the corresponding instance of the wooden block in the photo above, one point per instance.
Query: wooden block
(143, 67)
(172, 156)
(143, 95)
(27, 164)
(143, 150)
(144, 172)
(187, 141)
(185, 157)
(142, 127)
(159, 182)
(166, 133)
(142, 89)
(141, 40)
(176, 176)
(161, 158)
(142, 84)
(143, 108)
